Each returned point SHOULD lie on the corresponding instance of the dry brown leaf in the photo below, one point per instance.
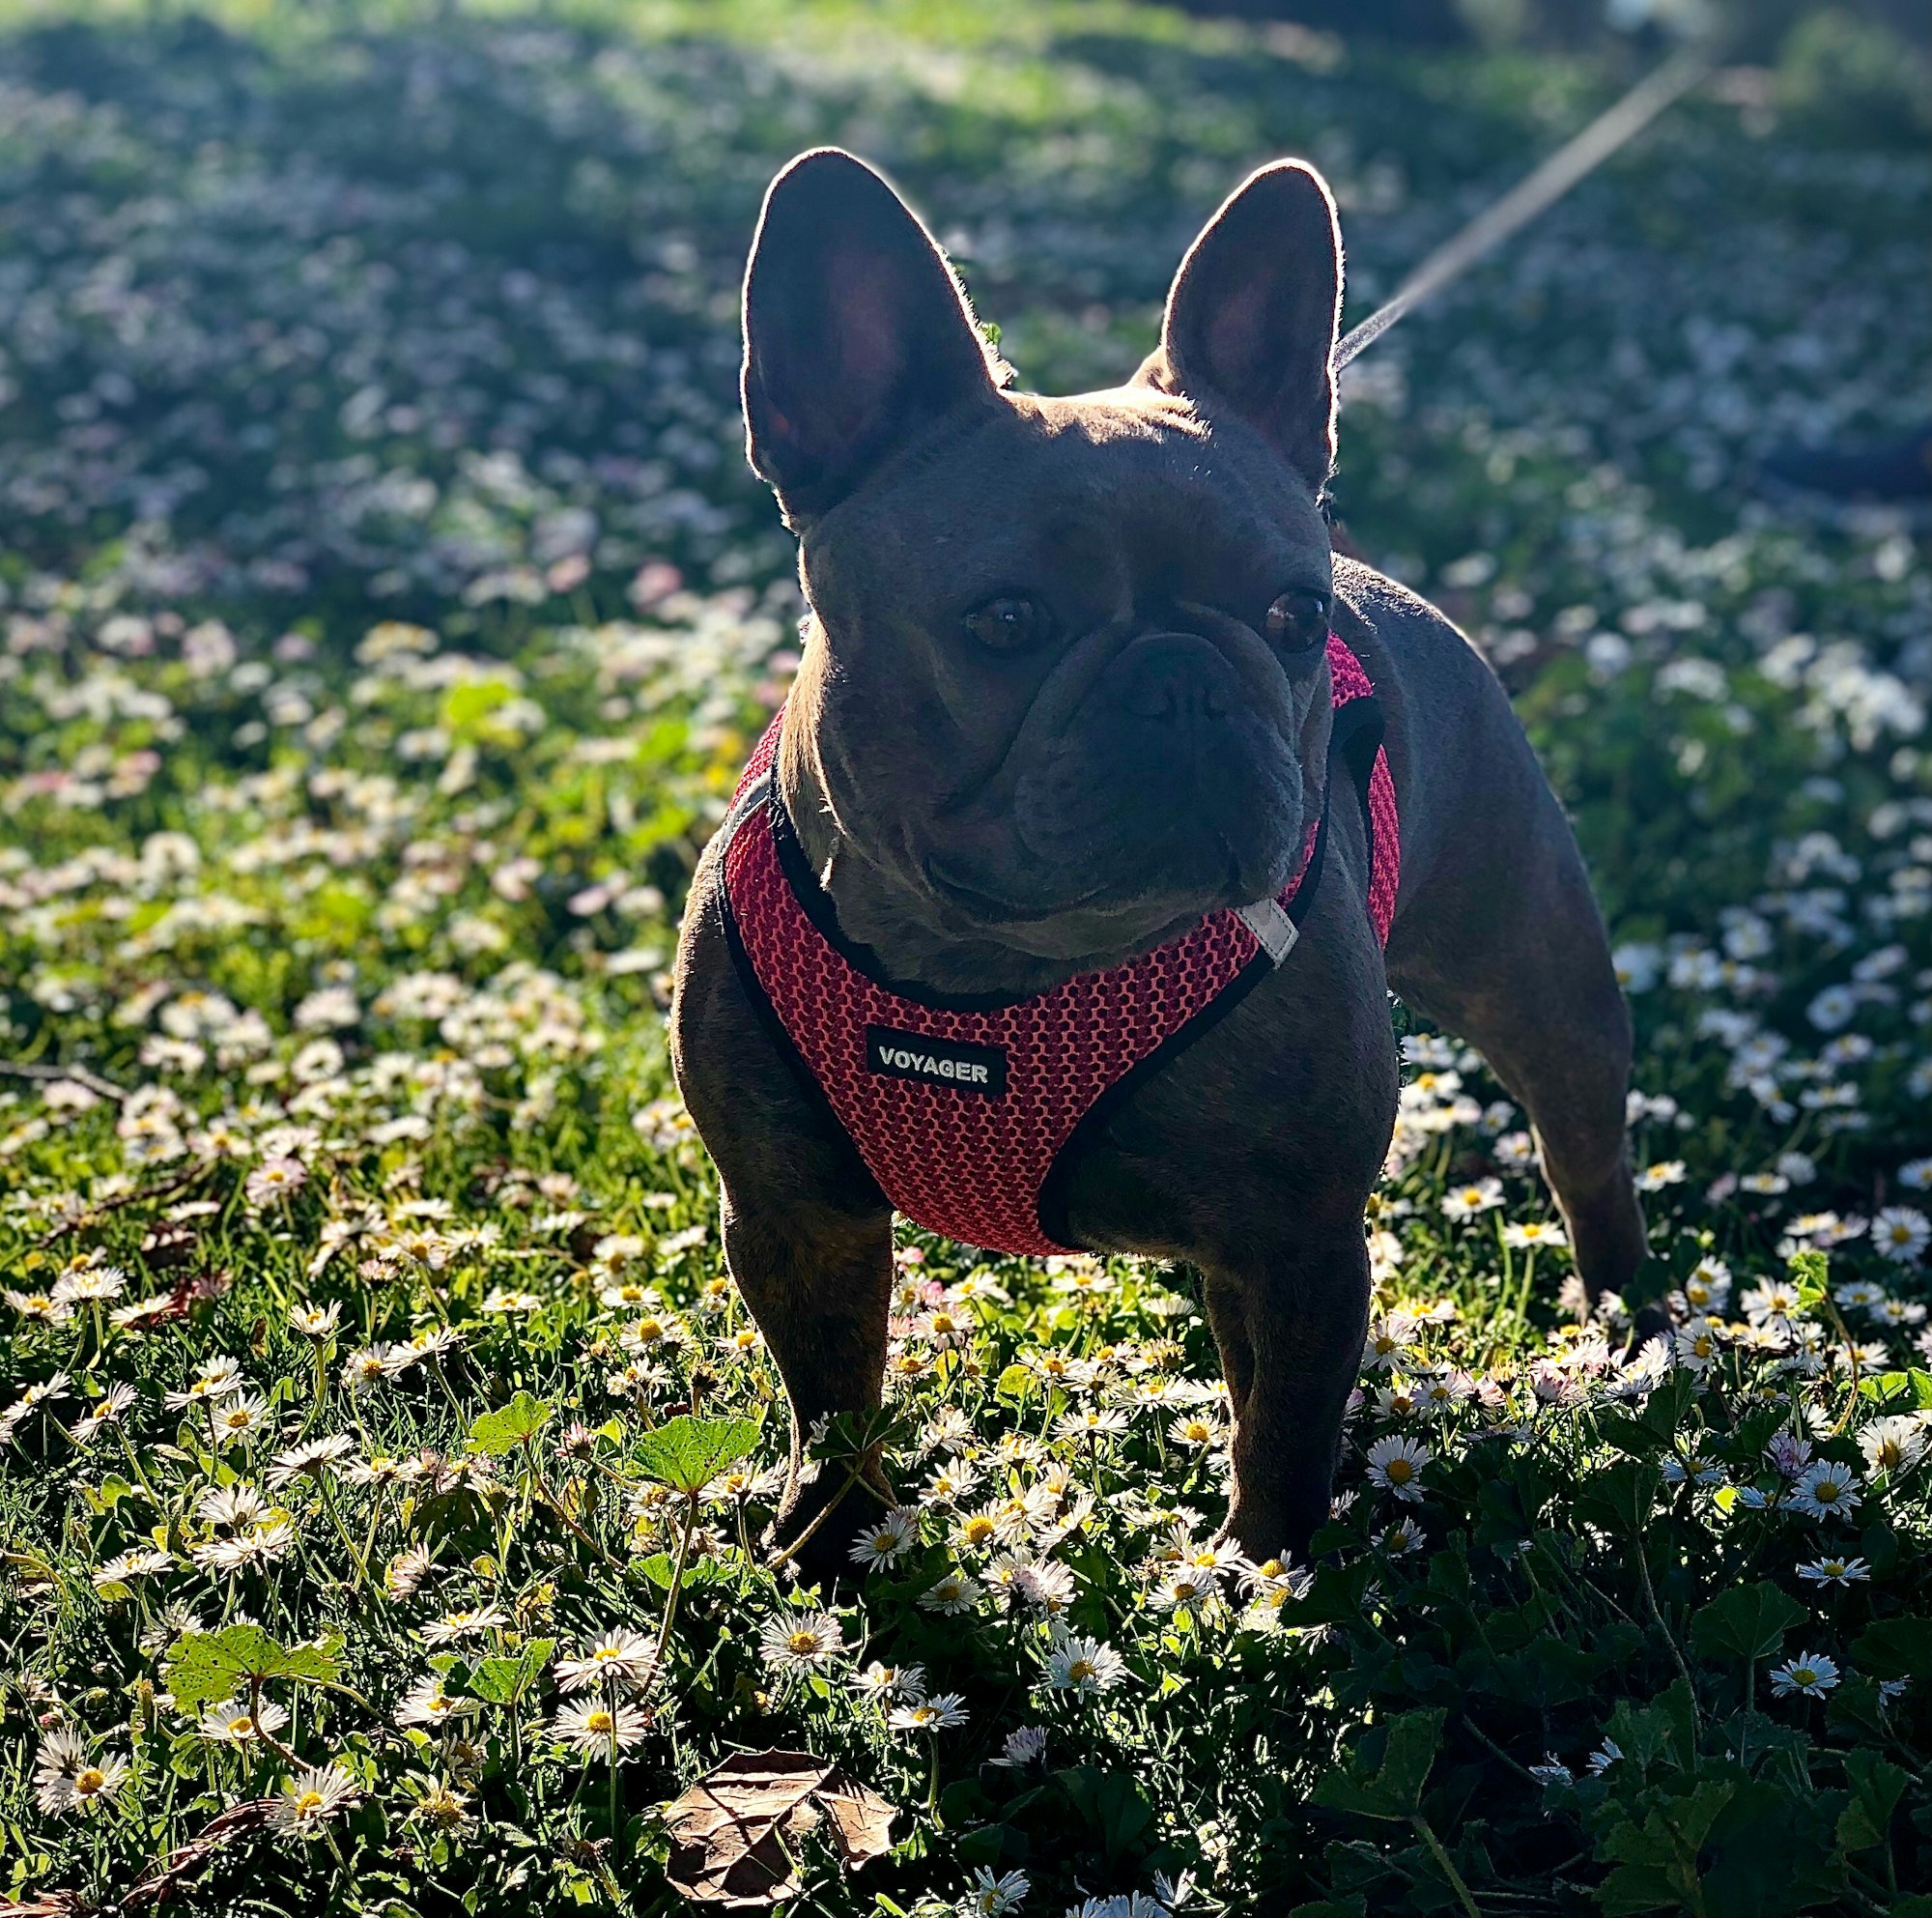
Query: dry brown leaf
(754, 1878)
(728, 1829)
(861, 1821)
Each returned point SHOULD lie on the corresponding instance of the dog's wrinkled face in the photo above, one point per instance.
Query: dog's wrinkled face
(1064, 684)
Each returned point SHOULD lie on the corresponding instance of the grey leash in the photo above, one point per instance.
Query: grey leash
(1543, 189)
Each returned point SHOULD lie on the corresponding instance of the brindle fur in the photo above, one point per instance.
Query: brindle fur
(1167, 512)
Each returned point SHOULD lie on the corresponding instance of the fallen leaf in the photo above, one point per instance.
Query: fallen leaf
(728, 1829)
(861, 1821)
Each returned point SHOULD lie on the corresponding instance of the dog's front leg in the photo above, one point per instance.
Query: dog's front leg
(819, 1284)
(1289, 1322)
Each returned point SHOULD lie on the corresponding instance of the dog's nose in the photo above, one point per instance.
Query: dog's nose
(1176, 681)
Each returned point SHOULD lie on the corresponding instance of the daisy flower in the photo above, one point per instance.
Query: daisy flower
(890, 1682)
(934, 1715)
(1083, 1667)
(802, 1640)
(1395, 1465)
(887, 1540)
(621, 1661)
(1535, 1235)
(441, 1805)
(1468, 1201)
(993, 1897)
(1825, 1490)
(232, 1723)
(465, 1624)
(311, 1798)
(1196, 1430)
(405, 1571)
(1389, 1341)
(1835, 1571)
(1707, 1285)
(1894, 1444)
(427, 1704)
(1900, 1232)
(1405, 1535)
(951, 1482)
(1696, 1345)
(952, 1595)
(309, 1460)
(596, 1726)
(66, 1779)
(316, 1322)
(980, 1530)
(1022, 1747)
(1813, 1673)
(217, 1378)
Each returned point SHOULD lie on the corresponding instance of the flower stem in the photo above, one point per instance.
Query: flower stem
(1425, 1831)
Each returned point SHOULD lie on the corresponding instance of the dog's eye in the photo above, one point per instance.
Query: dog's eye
(1298, 622)
(1010, 624)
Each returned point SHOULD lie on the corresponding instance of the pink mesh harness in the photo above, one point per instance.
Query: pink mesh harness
(970, 1111)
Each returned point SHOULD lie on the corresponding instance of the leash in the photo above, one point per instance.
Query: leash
(1572, 162)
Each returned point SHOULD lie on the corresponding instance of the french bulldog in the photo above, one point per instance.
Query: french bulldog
(1064, 693)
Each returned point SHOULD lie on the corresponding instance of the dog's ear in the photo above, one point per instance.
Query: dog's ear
(1251, 316)
(856, 334)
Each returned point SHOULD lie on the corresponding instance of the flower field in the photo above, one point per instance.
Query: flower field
(385, 612)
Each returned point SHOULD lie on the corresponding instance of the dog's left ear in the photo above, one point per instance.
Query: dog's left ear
(1251, 316)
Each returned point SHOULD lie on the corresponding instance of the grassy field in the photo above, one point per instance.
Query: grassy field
(386, 612)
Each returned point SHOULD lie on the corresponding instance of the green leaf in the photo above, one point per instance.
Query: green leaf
(208, 1666)
(1877, 1786)
(501, 1681)
(512, 1426)
(1664, 1731)
(1395, 1792)
(1746, 1624)
(1895, 1649)
(1113, 1805)
(688, 1453)
(699, 1572)
(1621, 1497)
(1657, 1861)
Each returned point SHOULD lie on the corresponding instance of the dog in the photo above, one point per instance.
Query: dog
(1084, 688)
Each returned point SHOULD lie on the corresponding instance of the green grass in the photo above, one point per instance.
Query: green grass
(387, 612)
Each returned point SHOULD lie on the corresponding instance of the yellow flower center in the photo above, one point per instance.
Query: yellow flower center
(242, 1726)
(92, 1779)
(977, 1530)
(599, 1721)
(1398, 1470)
(1081, 1668)
(804, 1643)
(308, 1804)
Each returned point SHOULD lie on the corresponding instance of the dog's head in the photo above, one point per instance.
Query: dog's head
(1063, 681)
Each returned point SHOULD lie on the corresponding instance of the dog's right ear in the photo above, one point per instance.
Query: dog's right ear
(856, 334)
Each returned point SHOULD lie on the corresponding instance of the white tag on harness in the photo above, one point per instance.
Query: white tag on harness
(1273, 930)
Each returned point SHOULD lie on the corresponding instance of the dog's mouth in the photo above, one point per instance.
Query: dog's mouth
(998, 908)
(1102, 914)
